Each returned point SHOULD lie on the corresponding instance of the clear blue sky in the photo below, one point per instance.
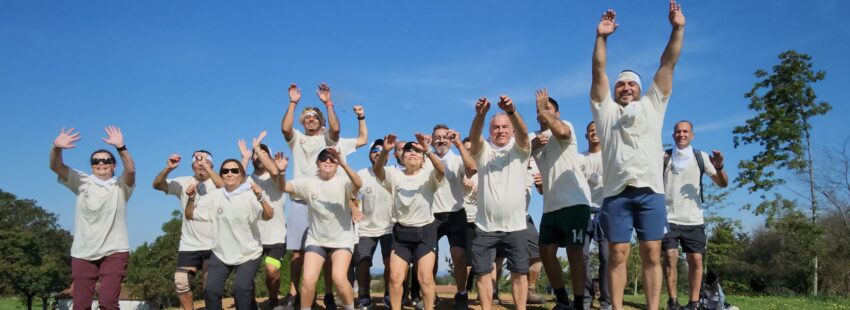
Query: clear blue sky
(178, 76)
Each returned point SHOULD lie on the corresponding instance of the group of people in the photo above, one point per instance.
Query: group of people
(476, 195)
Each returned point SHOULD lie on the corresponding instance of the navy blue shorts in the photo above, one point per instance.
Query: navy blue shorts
(635, 208)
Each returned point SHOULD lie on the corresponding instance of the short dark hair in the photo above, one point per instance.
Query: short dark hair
(102, 151)
(256, 162)
(409, 147)
(554, 104)
(684, 121)
(203, 151)
(588, 125)
(440, 126)
(465, 140)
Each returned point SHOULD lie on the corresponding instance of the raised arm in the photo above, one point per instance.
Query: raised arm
(469, 164)
(424, 144)
(289, 117)
(599, 88)
(324, 93)
(721, 179)
(558, 128)
(65, 140)
(475, 138)
(206, 164)
(115, 138)
(280, 161)
(664, 75)
(264, 157)
(355, 179)
(160, 182)
(189, 211)
(362, 131)
(268, 212)
(378, 166)
(520, 130)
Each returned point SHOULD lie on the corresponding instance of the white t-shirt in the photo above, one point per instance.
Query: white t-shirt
(328, 214)
(305, 150)
(412, 195)
(564, 184)
(592, 167)
(377, 206)
(502, 187)
(100, 224)
(194, 235)
(236, 235)
(272, 231)
(449, 196)
(684, 206)
(631, 141)
(470, 199)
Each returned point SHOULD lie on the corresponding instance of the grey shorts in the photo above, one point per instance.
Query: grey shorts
(531, 246)
(485, 245)
(691, 237)
(364, 250)
(323, 251)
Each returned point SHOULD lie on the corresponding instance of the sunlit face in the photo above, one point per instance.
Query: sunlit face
(326, 166)
(311, 122)
(626, 91)
(591, 136)
(551, 108)
(200, 172)
(104, 167)
(374, 153)
(683, 134)
(231, 174)
(441, 141)
(412, 159)
(398, 151)
(255, 160)
(467, 145)
(501, 130)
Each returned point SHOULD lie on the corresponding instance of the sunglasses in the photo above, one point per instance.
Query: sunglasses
(106, 161)
(375, 150)
(325, 158)
(224, 171)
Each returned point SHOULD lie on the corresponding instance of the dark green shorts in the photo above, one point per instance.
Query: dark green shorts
(565, 227)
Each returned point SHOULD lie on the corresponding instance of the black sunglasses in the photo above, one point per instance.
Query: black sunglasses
(107, 161)
(325, 157)
(224, 171)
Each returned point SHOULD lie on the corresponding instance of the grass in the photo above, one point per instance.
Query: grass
(17, 303)
(767, 302)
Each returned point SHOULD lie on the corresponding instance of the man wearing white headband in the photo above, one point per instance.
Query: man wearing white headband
(629, 128)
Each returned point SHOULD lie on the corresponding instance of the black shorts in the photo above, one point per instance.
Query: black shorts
(193, 258)
(324, 251)
(484, 245)
(470, 233)
(691, 237)
(412, 243)
(364, 250)
(275, 252)
(453, 225)
(531, 246)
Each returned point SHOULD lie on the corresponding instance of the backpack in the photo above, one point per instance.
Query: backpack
(700, 164)
(711, 294)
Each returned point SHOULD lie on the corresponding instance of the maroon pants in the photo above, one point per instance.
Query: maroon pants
(110, 270)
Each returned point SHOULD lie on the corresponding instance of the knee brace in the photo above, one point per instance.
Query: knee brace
(183, 280)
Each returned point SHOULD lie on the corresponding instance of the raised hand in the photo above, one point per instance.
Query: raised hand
(716, 159)
(482, 106)
(113, 136)
(542, 99)
(506, 104)
(281, 161)
(192, 190)
(294, 93)
(356, 215)
(677, 19)
(255, 142)
(608, 24)
(358, 110)
(335, 156)
(423, 141)
(258, 191)
(173, 161)
(243, 149)
(324, 93)
(66, 139)
(543, 139)
(389, 142)
(454, 136)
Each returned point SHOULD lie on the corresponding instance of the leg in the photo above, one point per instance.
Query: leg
(650, 255)
(84, 274)
(588, 277)
(619, 256)
(459, 260)
(273, 260)
(217, 273)
(295, 267)
(483, 256)
(243, 284)
(340, 262)
(548, 253)
(398, 271)
(485, 290)
(183, 282)
(112, 270)
(575, 257)
(695, 274)
(604, 284)
(329, 300)
(364, 278)
(310, 271)
(519, 288)
(424, 274)
(671, 261)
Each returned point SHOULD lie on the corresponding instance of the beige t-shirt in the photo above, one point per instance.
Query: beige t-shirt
(564, 184)
(449, 196)
(194, 235)
(502, 187)
(272, 231)
(305, 150)
(592, 168)
(412, 195)
(236, 235)
(328, 213)
(377, 206)
(470, 199)
(100, 224)
(631, 141)
(684, 206)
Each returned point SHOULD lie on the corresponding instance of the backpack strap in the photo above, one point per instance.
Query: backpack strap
(669, 154)
(701, 164)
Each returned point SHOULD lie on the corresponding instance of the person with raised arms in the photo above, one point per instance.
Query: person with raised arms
(629, 127)
(414, 234)
(100, 250)
(502, 165)
(195, 237)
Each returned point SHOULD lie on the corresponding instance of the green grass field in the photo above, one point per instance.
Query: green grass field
(15, 303)
(749, 302)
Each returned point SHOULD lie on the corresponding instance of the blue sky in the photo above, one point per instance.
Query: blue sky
(178, 76)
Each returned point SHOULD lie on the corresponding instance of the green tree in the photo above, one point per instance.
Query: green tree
(150, 275)
(34, 250)
(785, 102)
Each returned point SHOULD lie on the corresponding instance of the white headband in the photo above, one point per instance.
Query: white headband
(629, 76)
(307, 113)
(207, 156)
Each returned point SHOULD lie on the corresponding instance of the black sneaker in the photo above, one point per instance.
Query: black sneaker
(693, 305)
(364, 303)
(461, 301)
(290, 302)
(673, 304)
(330, 303)
(561, 306)
(496, 300)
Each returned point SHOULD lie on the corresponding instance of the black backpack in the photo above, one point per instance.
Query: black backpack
(700, 163)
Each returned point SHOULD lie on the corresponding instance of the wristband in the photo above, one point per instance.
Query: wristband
(261, 199)
(122, 148)
(361, 117)
(511, 112)
(718, 169)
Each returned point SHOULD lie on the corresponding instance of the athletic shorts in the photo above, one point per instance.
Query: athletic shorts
(412, 243)
(274, 254)
(364, 250)
(452, 225)
(296, 226)
(193, 258)
(565, 227)
(470, 233)
(323, 251)
(531, 237)
(638, 209)
(691, 237)
(484, 245)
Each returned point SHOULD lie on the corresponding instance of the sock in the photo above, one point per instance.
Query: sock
(348, 307)
(579, 304)
(462, 292)
(561, 296)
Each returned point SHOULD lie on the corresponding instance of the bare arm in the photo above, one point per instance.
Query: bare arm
(280, 179)
(664, 75)
(716, 159)
(469, 164)
(289, 117)
(378, 167)
(475, 138)
(115, 138)
(189, 211)
(521, 131)
(160, 182)
(268, 212)
(558, 128)
(599, 88)
(324, 93)
(435, 161)
(65, 140)
(363, 131)
(355, 179)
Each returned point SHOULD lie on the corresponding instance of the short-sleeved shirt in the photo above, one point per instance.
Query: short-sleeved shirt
(470, 199)
(100, 224)
(564, 184)
(377, 206)
(449, 196)
(272, 231)
(194, 235)
(684, 206)
(328, 213)
(502, 187)
(305, 150)
(412, 195)
(631, 141)
(236, 235)
(592, 167)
